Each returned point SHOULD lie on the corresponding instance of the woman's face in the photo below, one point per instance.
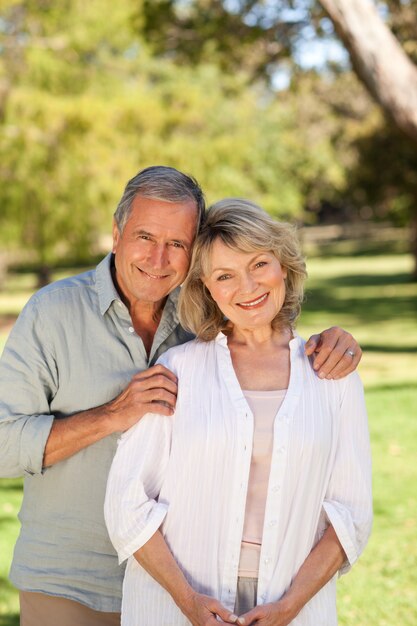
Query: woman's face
(248, 287)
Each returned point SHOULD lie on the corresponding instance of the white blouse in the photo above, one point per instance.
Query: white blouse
(188, 475)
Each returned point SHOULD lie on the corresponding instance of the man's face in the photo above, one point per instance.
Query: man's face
(152, 255)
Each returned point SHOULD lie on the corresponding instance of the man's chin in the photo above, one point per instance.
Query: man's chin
(155, 294)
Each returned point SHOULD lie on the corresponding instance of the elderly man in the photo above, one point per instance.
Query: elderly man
(77, 370)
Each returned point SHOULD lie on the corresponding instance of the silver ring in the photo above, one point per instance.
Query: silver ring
(350, 353)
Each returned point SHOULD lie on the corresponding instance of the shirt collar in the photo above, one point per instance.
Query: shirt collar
(295, 343)
(107, 292)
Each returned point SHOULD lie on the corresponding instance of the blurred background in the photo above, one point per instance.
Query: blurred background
(308, 108)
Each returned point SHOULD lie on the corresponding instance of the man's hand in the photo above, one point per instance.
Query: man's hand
(151, 391)
(202, 610)
(335, 352)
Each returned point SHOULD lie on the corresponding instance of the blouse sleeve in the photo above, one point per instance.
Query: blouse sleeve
(348, 500)
(131, 509)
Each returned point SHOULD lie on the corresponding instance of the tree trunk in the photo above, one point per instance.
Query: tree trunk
(378, 59)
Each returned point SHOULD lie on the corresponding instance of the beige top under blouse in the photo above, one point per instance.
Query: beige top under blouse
(264, 406)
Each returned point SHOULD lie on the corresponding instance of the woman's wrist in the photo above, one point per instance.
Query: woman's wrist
(184, 598)
(289, 607)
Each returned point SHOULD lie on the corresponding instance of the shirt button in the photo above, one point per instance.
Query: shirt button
(276, 488)
(267, 561)
(131, 329)
(281, 449)
(273, 522)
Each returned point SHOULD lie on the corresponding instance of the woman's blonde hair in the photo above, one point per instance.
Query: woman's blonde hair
(243, 226)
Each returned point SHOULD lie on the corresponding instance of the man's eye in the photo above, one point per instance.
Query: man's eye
(177, 244)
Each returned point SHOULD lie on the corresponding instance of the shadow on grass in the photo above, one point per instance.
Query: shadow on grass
(356, 248)
(10, 619)
(7, 590)
(370, 280)
(388, 349)
(11, 484)
(364, 308)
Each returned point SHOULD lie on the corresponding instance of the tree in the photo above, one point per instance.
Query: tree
(381, 58)
(257, 35)
(378, 59)
(391, 78)
(88, 107)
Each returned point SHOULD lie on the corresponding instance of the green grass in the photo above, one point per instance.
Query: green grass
(10, 498)
(373, 297)
(381, 589)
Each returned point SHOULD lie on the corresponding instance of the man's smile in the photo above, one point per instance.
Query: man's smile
(153, 276)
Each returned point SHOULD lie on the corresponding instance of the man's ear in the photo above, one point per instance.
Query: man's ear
(116, 236)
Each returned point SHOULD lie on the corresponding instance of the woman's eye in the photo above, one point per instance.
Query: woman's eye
(223, 277)
(260, 264)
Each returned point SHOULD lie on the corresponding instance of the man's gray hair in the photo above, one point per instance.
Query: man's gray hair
(164, 183)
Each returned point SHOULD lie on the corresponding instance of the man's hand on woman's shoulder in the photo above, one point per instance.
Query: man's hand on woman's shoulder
(335, 353)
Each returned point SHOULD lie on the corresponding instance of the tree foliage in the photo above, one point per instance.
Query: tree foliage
(385, 62)
(86, 105)
(92, 92)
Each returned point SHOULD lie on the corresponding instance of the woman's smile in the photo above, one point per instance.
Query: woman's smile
(254, 303)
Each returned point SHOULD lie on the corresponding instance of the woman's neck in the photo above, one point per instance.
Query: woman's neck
(261, 338)
(260, 357)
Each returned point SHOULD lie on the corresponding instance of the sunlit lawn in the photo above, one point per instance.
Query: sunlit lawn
(373, 298)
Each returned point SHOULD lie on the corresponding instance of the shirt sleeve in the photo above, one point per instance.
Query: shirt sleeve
(28, 381)
(348, 501)
(131, 509)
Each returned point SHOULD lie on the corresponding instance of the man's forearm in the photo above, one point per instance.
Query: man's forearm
(71, 434)
(153, 390)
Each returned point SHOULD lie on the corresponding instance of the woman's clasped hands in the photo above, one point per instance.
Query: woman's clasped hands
(207, 611)
(271, 614)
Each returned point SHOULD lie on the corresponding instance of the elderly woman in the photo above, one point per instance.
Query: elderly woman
(243, 506)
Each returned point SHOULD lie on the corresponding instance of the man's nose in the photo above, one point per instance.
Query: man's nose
(158, 256)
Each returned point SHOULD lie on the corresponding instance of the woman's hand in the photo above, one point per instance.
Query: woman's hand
(271, 614)
(157, 559)
(203, 610)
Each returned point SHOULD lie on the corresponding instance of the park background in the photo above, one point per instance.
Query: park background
(277, 101)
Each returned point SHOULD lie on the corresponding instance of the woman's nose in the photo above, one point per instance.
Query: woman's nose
(247, 283)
